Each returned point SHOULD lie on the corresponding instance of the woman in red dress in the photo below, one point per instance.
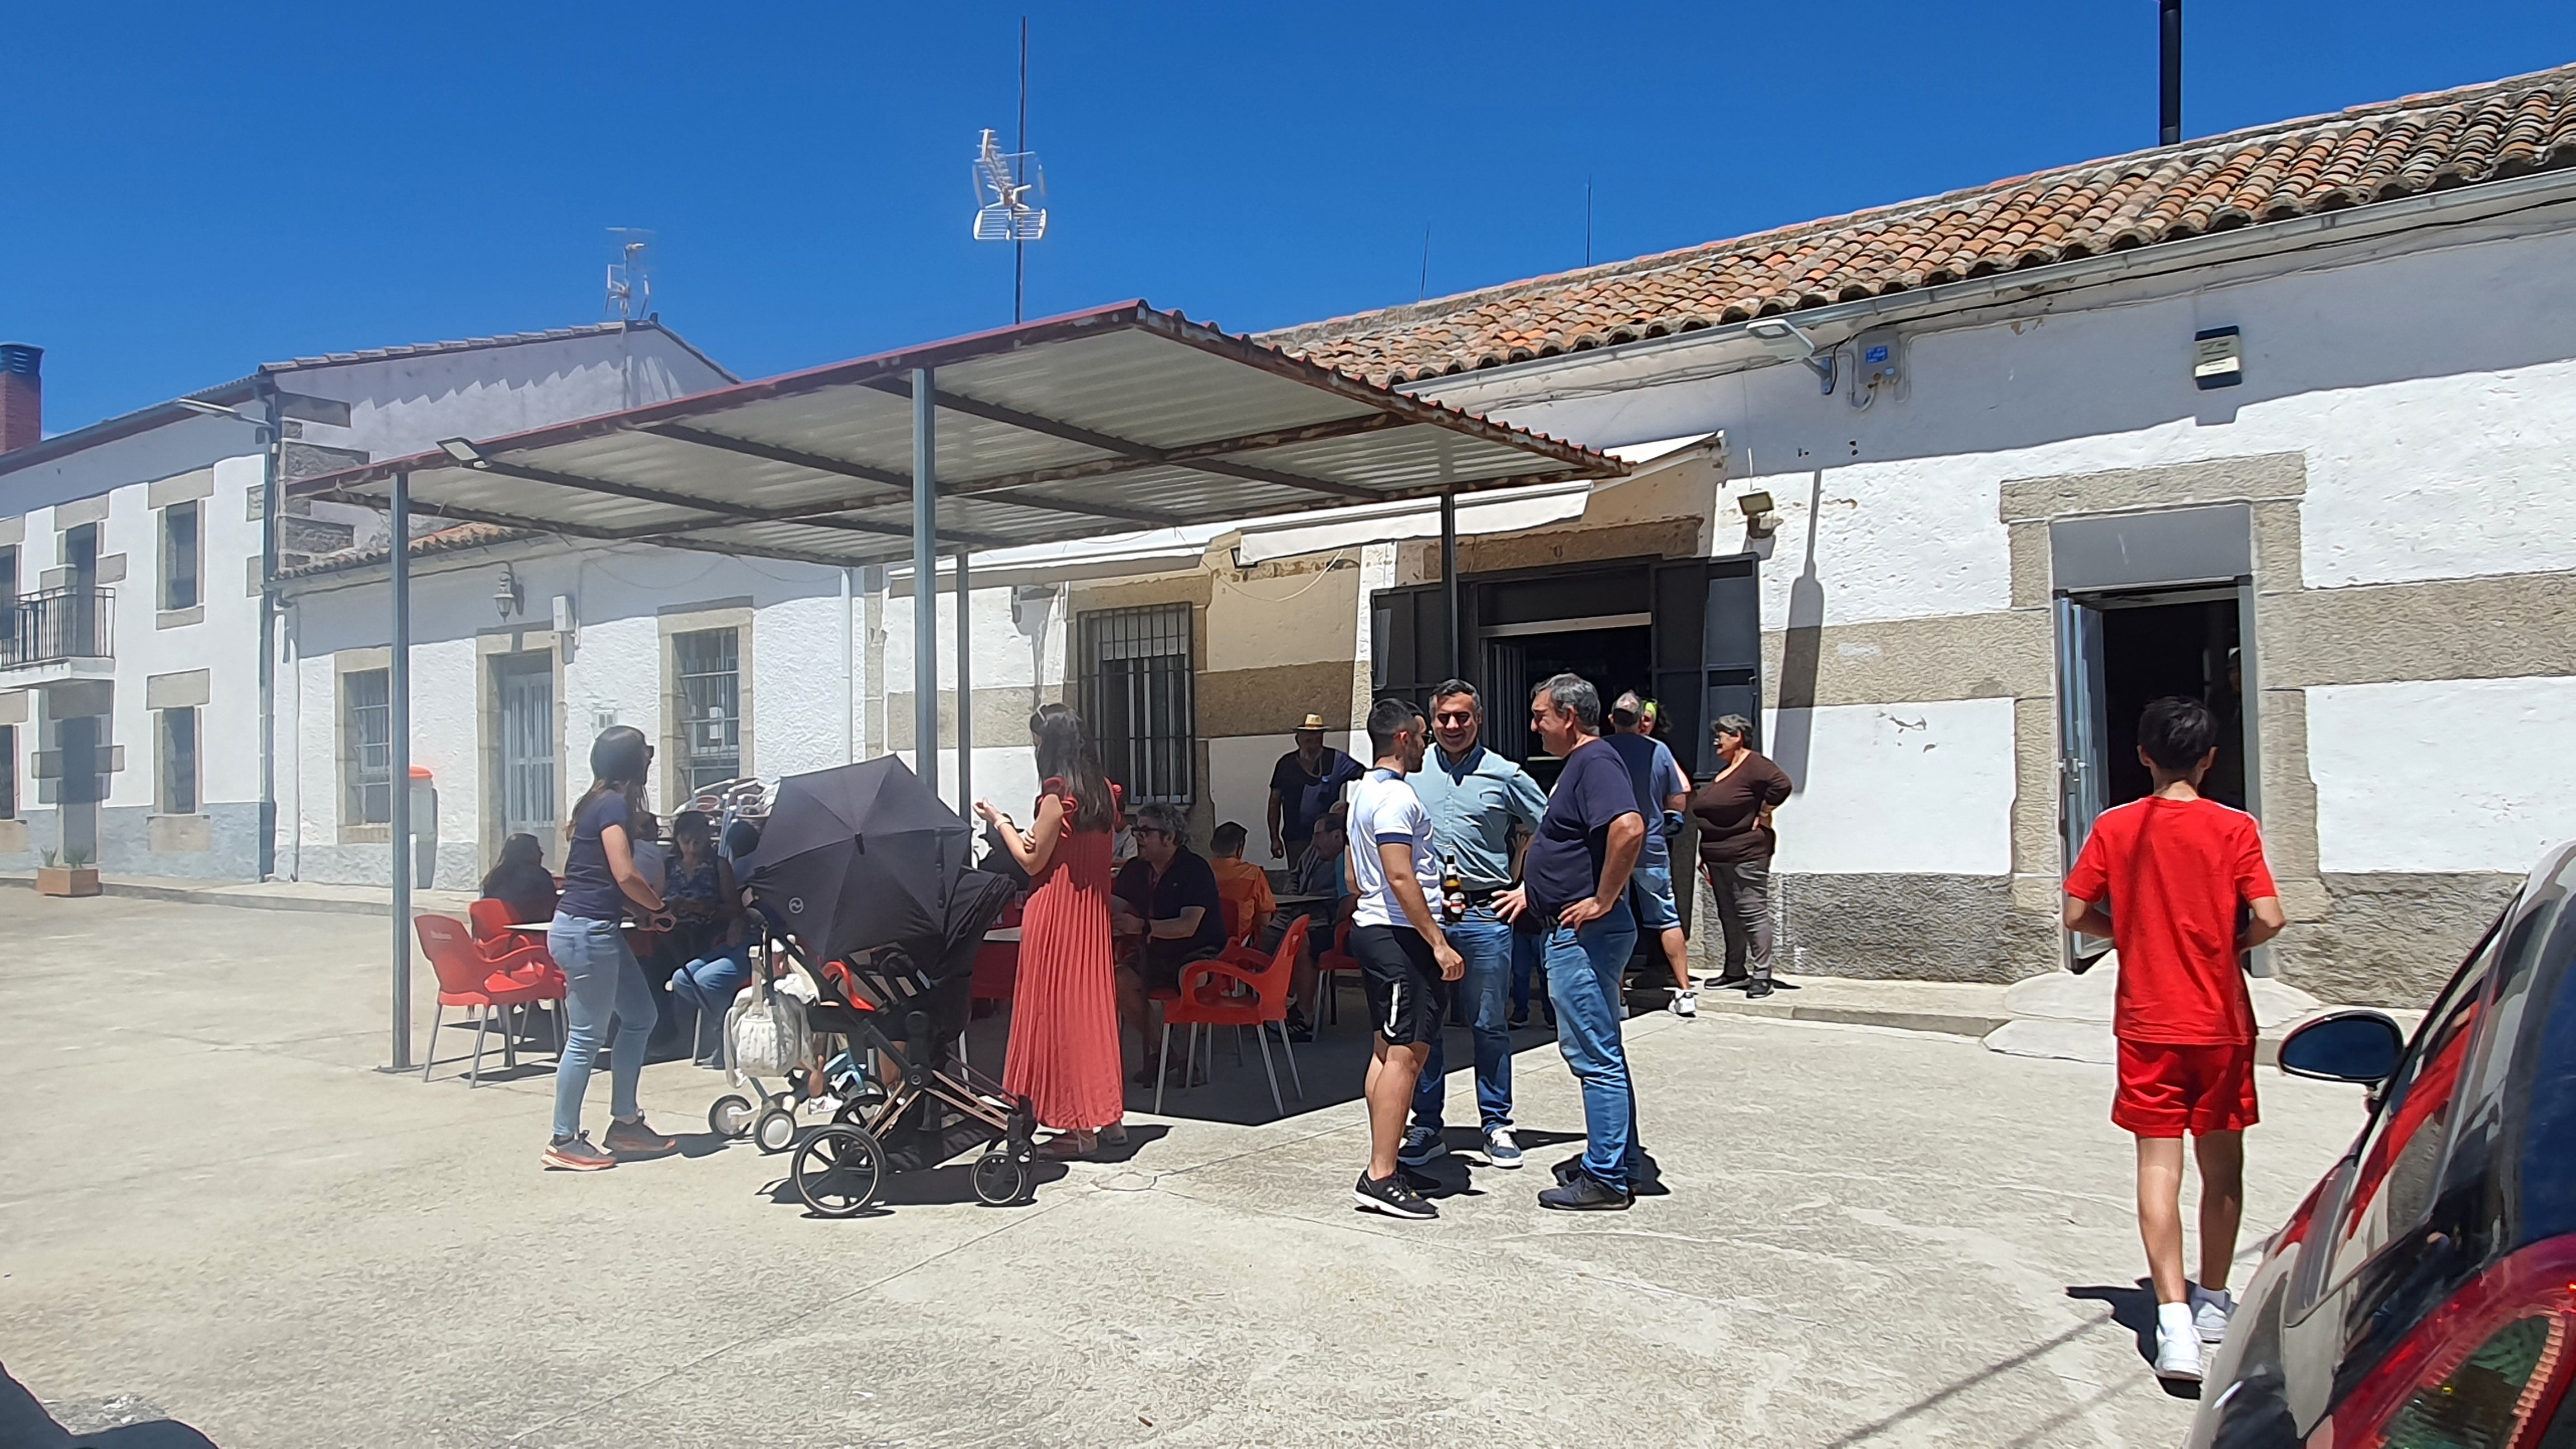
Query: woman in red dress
(1064, 1051)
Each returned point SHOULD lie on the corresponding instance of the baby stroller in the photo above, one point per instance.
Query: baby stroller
(863, 878)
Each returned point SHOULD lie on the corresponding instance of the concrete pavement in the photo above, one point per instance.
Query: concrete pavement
(213, 1203)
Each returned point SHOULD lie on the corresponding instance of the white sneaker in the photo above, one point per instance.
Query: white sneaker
(2210, 1312)
(1686, 1003)
(2177, 1343)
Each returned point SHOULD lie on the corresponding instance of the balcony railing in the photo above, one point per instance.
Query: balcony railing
(57, 625)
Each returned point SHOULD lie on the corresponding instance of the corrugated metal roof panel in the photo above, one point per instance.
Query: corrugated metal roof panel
(1093, 424)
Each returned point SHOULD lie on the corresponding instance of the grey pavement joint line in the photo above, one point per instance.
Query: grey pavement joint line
(773, 1330)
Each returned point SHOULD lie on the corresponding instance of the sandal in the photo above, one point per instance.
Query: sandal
(1066, 1147)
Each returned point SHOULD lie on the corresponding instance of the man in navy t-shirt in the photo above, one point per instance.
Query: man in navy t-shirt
(1574, 895)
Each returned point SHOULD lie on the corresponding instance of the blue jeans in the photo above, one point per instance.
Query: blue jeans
(601, 980)
(1584, 968)
(706, 987)
(1486, 943)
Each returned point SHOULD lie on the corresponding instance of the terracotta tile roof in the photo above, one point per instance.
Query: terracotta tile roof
(450, 539)
(2370, 153)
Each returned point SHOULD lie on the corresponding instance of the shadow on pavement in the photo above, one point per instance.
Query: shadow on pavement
(2134, 1308)
(25, 1424)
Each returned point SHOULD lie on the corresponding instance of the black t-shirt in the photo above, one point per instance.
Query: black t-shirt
(1564, 864)
(1187, 882)
(1306, 798)
(590, 892)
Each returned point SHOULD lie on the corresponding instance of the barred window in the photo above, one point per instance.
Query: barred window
(8, 772)
(366, 725)
(710, 668)
(1134, 673)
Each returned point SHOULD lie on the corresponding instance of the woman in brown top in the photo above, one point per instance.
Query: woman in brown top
(1733, 811)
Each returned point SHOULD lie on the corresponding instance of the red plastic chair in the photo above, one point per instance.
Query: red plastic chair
(1220, 993)
(468, 978)
(1332, 963)
(489, 922)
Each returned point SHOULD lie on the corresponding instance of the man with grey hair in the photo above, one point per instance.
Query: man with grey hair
(1735, 845)
(1574, 897)
(1165, 912)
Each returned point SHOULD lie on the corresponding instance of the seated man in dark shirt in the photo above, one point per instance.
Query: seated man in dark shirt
(1166, 913)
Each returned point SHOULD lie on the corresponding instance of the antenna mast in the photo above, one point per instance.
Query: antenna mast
(1020, 245)
(630, 275)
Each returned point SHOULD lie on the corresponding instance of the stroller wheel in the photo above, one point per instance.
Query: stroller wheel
(1000, 1178)
(775, 1130)
(730, 1116)
(837, 1170)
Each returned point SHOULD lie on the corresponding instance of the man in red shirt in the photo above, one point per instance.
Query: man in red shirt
(2179, 885)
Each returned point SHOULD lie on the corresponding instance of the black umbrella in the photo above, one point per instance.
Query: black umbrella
(859, 856)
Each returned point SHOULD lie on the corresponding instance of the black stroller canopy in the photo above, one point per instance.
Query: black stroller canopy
(860, 856)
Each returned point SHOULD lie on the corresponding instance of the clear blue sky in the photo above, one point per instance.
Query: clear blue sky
(194, 189)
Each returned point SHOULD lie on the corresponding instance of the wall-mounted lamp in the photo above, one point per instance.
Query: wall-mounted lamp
(1760, 519)
(507, 598)
(1783, 338)
(463, 452)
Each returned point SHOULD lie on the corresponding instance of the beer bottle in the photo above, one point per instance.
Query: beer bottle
(1453, 892)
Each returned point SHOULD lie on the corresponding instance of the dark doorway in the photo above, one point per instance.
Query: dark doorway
(2154, 646)
(1614, 659)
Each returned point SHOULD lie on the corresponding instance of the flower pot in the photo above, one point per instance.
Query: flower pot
(67, 880)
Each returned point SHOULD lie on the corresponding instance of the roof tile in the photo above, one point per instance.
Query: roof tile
(2295, 168)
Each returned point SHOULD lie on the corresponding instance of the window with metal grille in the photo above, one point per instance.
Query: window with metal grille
(1136, 695)
(366, 724)
(709, 663)
(8, 772)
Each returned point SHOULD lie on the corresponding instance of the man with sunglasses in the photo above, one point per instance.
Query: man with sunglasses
(1166, 906)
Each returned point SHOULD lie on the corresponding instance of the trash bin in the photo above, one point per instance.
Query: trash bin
(424, 829)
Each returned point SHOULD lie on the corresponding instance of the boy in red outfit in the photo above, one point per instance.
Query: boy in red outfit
(2179, 885)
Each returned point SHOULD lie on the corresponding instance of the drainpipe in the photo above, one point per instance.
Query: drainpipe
(272, 471)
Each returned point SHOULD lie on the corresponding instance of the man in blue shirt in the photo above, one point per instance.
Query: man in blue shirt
(1574, 894)
(1475, 798)
(1663, 791)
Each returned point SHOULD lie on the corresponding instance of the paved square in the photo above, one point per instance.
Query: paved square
(210, 1201)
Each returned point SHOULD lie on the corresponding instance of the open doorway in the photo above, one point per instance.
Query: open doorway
(1614, 659)
(2117, 651)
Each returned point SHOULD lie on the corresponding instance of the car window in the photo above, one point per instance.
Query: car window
(2394, 1171)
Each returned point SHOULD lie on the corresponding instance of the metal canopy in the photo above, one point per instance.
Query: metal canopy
(1095, 423)
(1099, 422)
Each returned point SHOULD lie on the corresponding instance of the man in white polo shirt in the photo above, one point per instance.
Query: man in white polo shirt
(1405, 961)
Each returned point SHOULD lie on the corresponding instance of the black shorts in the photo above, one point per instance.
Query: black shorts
(1407, 999)
(1159, 964)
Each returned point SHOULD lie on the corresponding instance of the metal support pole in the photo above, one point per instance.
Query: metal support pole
(1449, 576)
(2169, 73)
(965, 695)
(398, 738)
(849, 678)
(925, 578)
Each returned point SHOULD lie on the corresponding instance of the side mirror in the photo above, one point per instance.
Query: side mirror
(2344, 1046)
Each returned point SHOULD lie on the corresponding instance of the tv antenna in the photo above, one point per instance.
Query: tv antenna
(630, 275)
(1010, 189)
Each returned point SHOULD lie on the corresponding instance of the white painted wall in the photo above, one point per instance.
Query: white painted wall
(1905, 789)
(2448, 775)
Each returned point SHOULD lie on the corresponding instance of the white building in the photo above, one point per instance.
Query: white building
(2300, 399)
(131, 689)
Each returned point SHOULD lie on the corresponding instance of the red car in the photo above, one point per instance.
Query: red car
(2424, 1295)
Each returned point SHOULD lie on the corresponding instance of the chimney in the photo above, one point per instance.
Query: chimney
(22, 396)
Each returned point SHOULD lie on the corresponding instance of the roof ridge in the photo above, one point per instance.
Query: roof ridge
(2201, 160)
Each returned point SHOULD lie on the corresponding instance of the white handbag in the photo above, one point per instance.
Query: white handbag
(765, 1033)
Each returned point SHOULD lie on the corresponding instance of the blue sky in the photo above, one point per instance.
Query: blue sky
(196, 189)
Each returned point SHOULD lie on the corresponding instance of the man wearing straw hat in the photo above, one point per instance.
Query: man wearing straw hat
(1306, 786)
